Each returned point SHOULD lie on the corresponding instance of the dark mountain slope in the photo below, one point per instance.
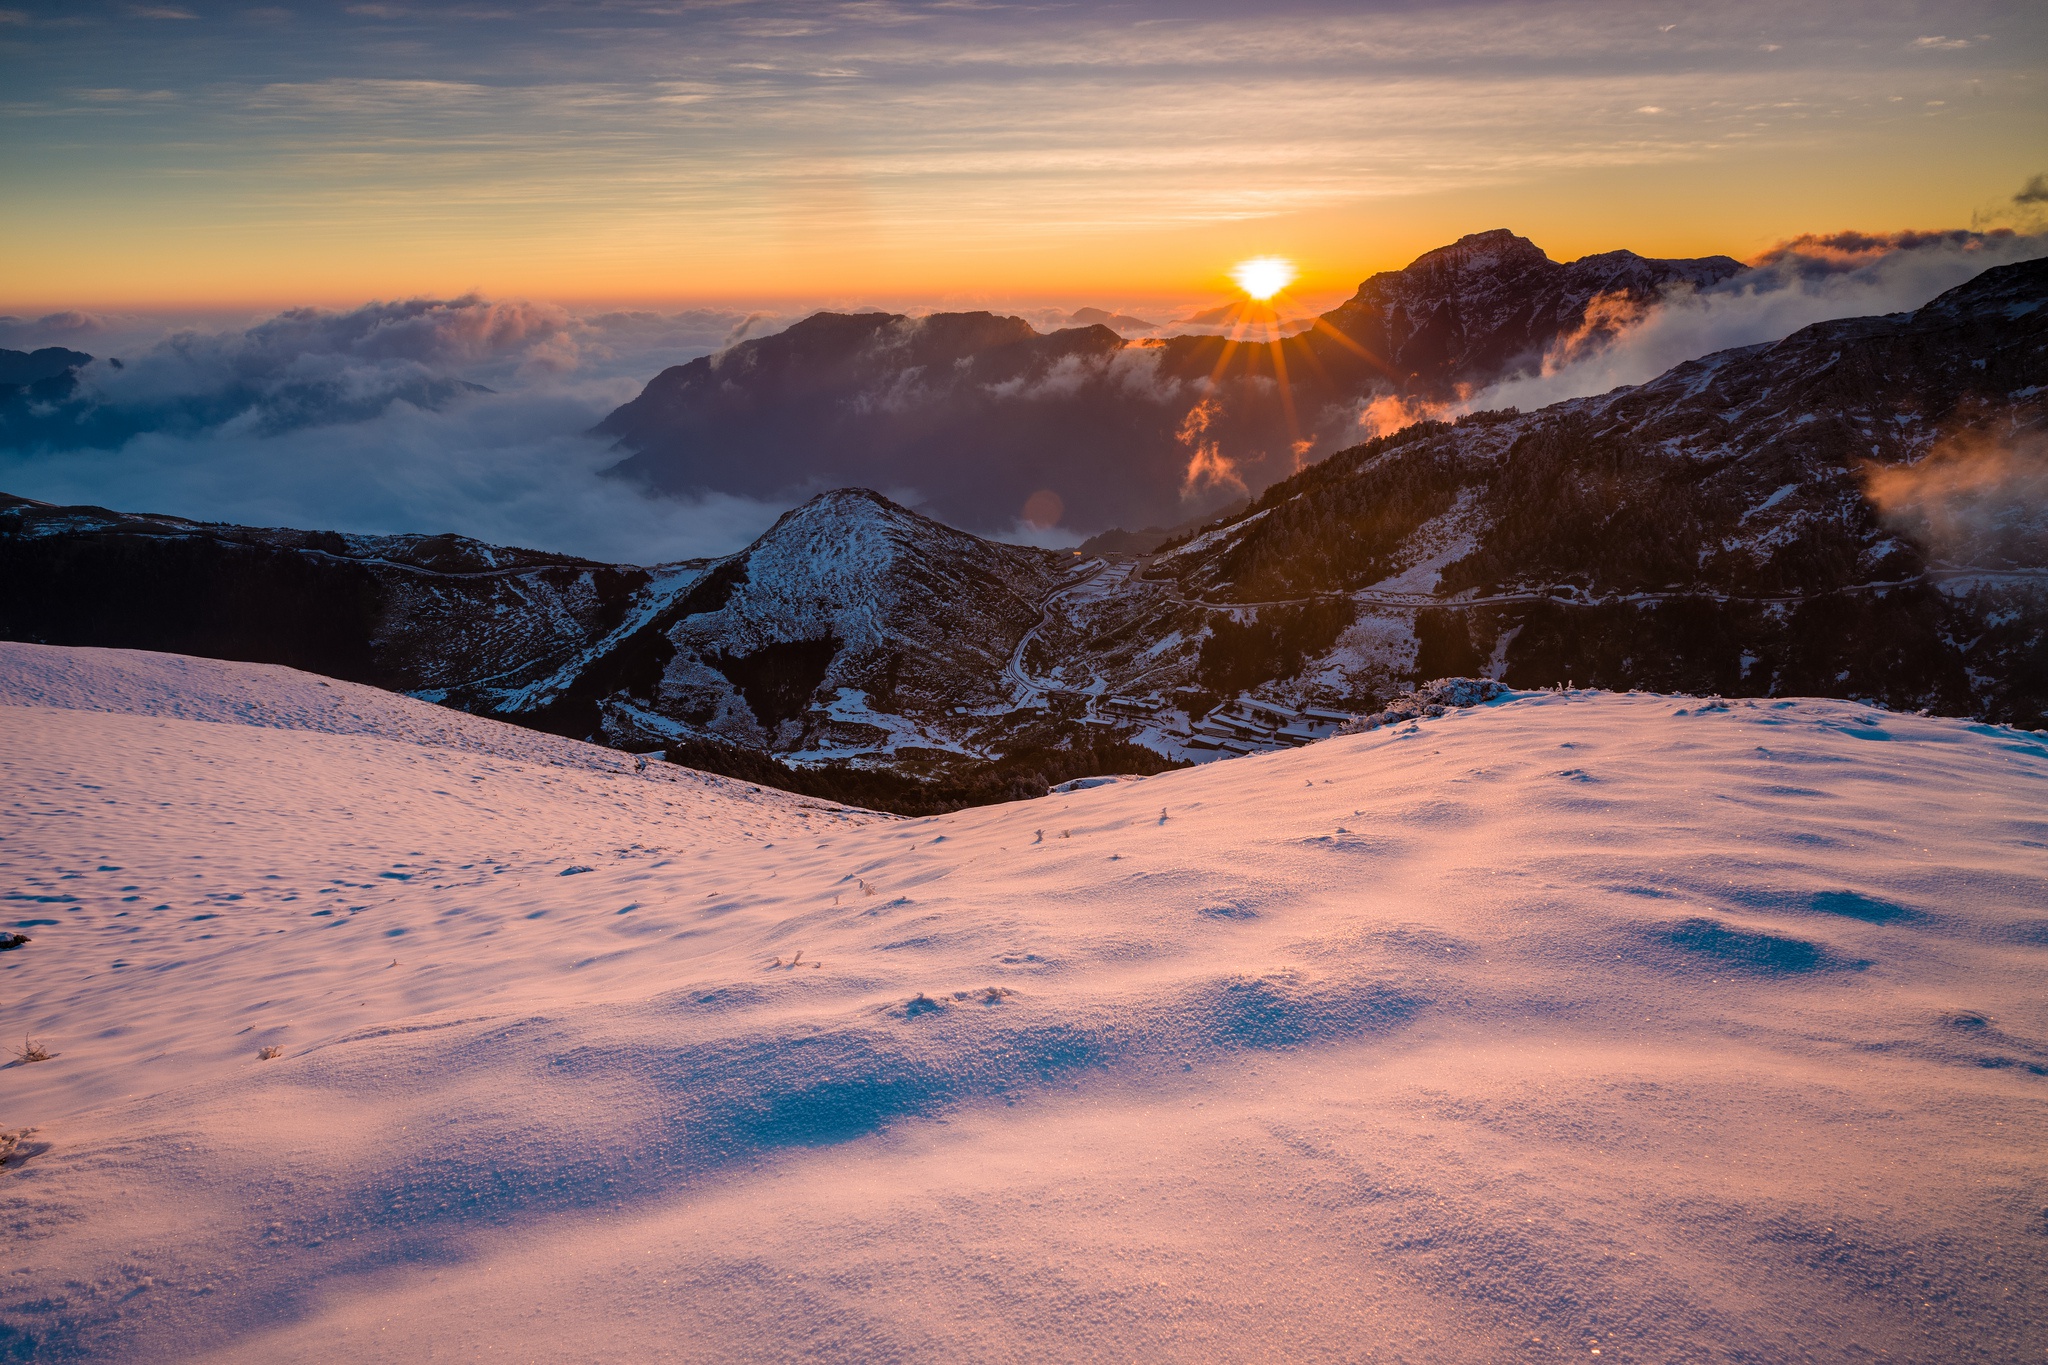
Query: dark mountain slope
(38, 390)
(411, 613)
(1490, 306)
(1711, 530)
(851, 624)
(975, 412)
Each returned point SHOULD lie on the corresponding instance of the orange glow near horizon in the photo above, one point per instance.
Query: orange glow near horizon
(215, 261)
(96, 262)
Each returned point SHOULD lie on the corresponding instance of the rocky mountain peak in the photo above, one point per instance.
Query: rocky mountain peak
(1476, 253)
(854, 535)
(840, 510)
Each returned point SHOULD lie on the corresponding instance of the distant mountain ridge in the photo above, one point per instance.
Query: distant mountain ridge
(408, 613)
(21, 368)
(980, 414)
(1118, 322)
(36, 389)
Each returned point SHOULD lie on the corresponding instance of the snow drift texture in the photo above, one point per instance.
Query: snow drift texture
(1649, 1025)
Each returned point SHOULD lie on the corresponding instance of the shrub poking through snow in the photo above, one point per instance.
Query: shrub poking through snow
(31, 1051)
(928, 1004)
(8, 941)
(11, 1141)
(1431, 699)
(269, 1053)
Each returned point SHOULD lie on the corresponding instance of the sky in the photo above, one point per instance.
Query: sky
(204, 155)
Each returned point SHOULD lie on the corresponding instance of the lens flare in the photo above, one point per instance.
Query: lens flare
(1263, 276)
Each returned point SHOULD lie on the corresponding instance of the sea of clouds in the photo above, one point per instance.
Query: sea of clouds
(425, 415)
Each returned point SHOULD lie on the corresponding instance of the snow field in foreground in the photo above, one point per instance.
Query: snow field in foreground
(1573, 1022)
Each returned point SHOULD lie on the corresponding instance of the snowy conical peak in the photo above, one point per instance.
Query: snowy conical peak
(853, 527)
(846, 505)
(852, 566)
(845, 545)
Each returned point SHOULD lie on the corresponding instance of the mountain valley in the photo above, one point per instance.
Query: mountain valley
(1778, 520)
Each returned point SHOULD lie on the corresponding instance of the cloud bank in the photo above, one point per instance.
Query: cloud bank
(424, 415)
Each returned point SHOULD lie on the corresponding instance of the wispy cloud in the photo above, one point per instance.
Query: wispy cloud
(70, 327)
(978, 131)
(1977, 498)
(117, 95)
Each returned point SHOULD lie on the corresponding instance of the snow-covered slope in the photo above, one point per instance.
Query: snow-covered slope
(1668, 1029)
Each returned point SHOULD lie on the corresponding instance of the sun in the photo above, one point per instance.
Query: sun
(1263, 276)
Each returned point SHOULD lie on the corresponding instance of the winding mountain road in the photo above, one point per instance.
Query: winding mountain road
(1026, 687)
